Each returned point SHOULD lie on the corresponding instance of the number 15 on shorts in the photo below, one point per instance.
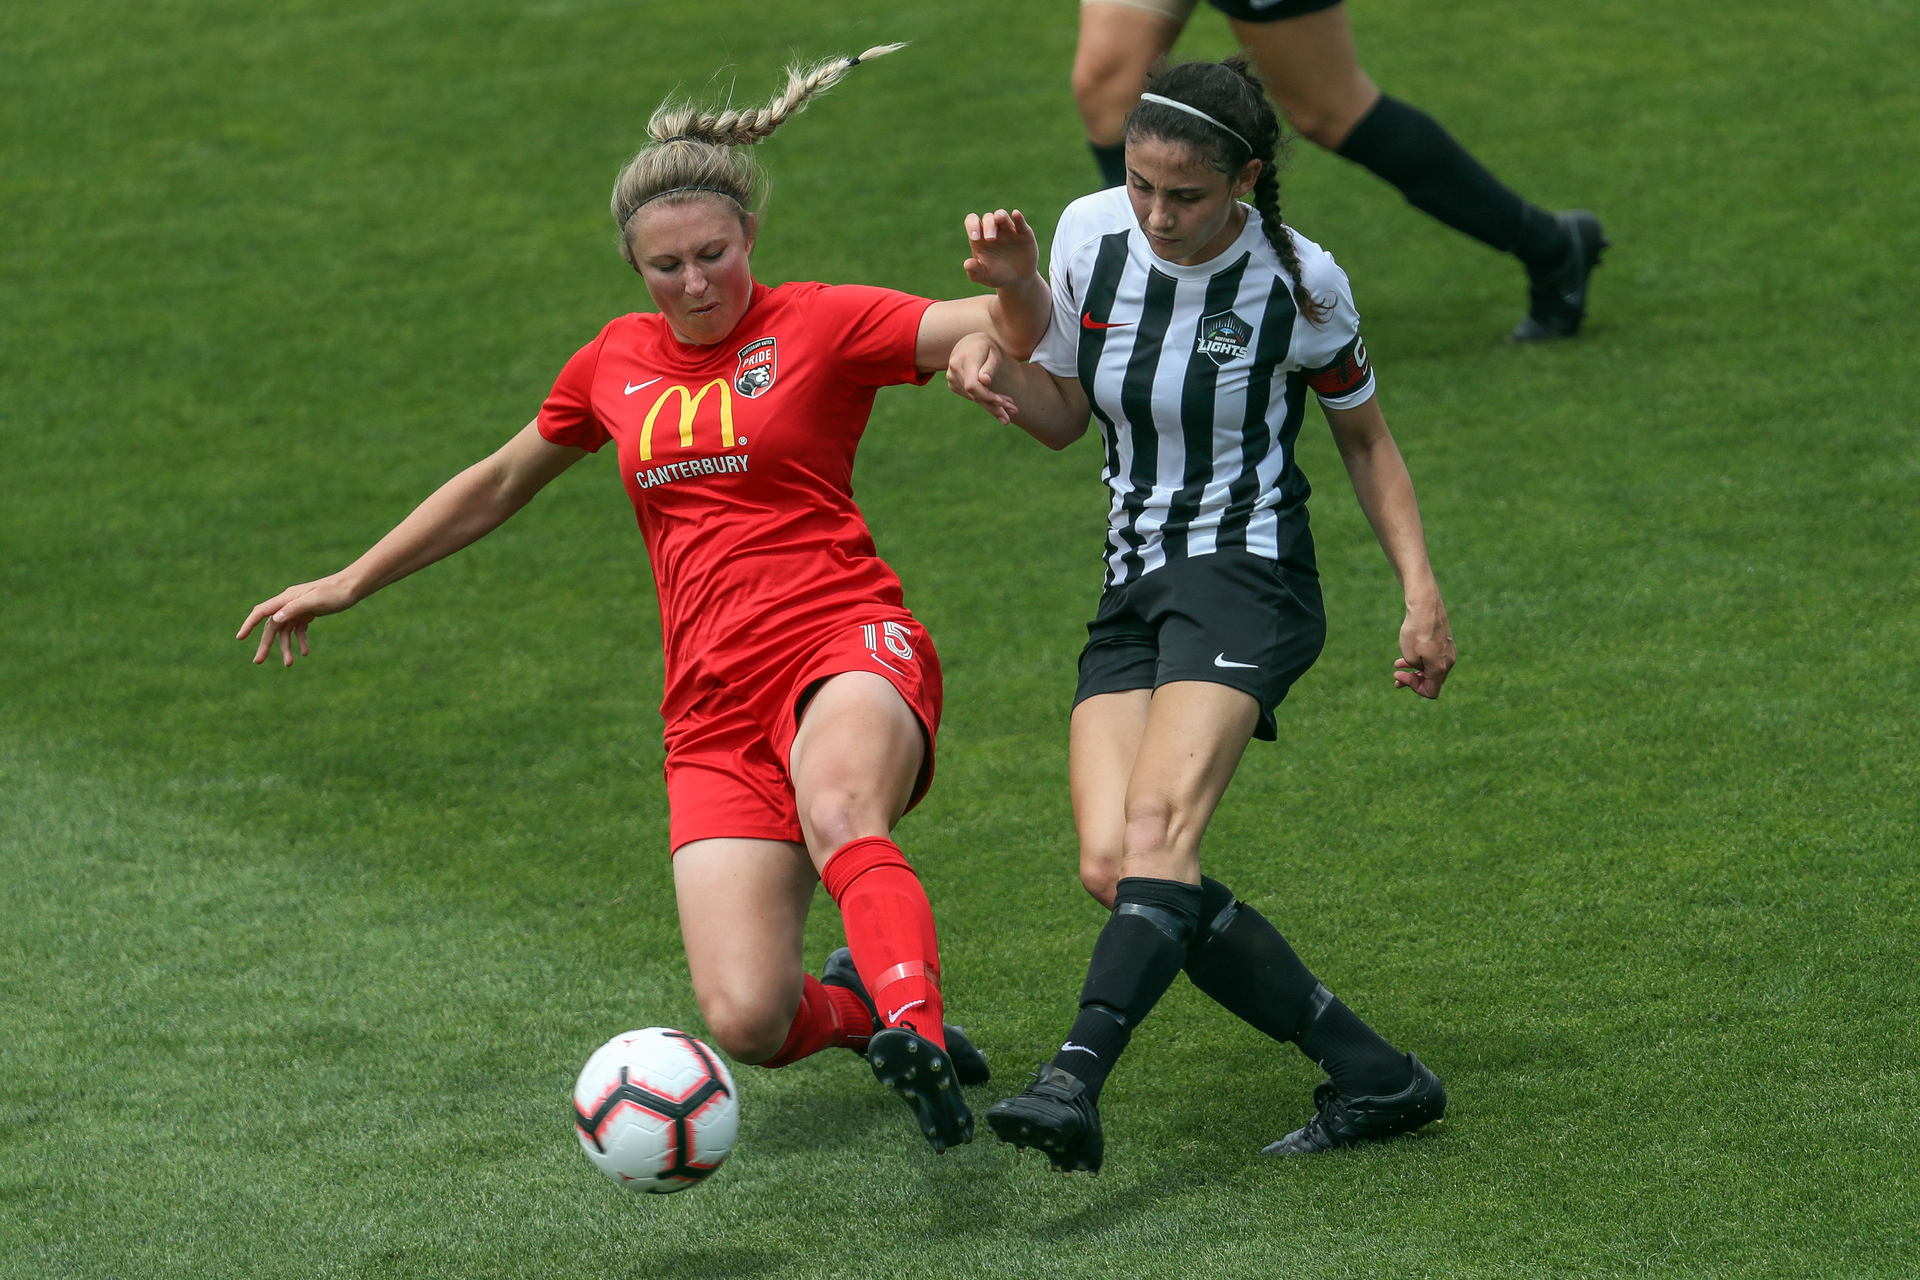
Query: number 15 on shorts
(896, 636)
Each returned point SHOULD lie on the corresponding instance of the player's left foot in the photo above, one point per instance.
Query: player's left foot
(921, 1072)
(1557, 299)
(1343, 1121)
(969, 1064)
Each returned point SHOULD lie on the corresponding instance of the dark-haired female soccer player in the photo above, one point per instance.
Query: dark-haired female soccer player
(1192, 326)
(802, 698)
(1305, 50)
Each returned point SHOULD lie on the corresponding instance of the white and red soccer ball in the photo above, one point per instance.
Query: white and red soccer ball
(656, 1110)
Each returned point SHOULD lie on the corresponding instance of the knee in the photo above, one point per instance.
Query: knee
(1151, 819)
(746, 1031)
(836, 815)
(1100, 876)
(1326, 118)
(1316, 123)
(1104, 85)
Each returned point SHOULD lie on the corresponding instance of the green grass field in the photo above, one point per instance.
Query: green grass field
(296, 968)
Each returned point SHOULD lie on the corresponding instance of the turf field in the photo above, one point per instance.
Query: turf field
(296, 968)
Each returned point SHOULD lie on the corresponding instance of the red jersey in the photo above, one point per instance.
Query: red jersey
(739, 460)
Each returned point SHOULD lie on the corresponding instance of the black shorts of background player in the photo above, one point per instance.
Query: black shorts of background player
(1304, 49)
(1192, 326)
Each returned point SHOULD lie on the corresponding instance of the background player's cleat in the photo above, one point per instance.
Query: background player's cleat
(921, 1072)
(969, 1064)
(1557, 300)
(1054, 1115)
(1341, 1122)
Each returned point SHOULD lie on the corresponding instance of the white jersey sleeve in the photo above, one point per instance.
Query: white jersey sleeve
(1332, 353)
(1070, 260)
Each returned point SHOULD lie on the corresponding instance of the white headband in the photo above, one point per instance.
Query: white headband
(1193, 111)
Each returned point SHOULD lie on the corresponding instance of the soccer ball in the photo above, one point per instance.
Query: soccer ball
(656, 1110)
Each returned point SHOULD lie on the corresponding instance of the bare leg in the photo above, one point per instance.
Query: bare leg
(1105, 743)
(1189, 742)
(1312, 72)
(854, 761)
(1117, 45)
(743, 912)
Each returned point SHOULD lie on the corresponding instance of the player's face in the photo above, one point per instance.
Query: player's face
(1189, 210)
(693, 256)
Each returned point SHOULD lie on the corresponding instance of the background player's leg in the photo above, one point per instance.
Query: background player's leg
(1117, 44)
(1191, 742)
(743, 913)
(854, 763)
(1312, 71)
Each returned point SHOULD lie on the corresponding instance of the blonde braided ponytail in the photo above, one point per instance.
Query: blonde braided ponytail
(691, 153)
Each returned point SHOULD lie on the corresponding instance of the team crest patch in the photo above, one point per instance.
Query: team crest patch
(1224, 336)
(759, 365)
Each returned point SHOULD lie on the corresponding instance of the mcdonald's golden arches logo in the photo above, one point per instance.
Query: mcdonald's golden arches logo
(689, 406)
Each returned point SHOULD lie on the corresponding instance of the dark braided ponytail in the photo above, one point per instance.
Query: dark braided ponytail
(1228, 92)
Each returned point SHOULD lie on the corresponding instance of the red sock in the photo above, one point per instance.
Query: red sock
(818, 1023)
(856, 1024)
(890, 932)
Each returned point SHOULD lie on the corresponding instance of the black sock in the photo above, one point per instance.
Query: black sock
(1410, 149)
(1134, 961)
(1243, 963)
(1112, 161)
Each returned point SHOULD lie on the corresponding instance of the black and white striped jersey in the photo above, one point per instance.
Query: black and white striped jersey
(1198, 377)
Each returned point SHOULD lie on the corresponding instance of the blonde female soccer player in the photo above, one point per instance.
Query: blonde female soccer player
(1192, 326)
(802, 698)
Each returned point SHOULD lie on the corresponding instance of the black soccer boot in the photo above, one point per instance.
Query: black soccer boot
(921, 1072)
(969, 1064)
(1055, 1115)
(1557, 299)
(1341, 1122)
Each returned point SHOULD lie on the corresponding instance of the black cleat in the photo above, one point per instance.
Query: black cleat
(921, 1072)
(969, 1064)
(1557, 300)
(1342, 1122)
(1054, 1115)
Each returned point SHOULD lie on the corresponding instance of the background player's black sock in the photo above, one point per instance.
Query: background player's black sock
(1112, 161)
(1139, 951)
(1410, 149)
(1243, 963)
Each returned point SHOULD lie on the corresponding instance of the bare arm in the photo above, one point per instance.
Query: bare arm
(1006, 257)
(1051, 409)
(1385, 491)
(463, 510)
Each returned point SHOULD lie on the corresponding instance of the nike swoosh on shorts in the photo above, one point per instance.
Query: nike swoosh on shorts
(1220, 660)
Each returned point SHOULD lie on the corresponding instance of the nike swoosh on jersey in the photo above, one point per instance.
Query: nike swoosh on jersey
(640, 386)
(1220, 660)
(1088, 322)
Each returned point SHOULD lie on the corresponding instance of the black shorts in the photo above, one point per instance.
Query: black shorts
(1229, 618)
(1270, 10)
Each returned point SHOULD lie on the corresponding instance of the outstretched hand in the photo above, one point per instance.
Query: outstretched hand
(1426, 647)
(970, 371)
(288, 614)
(1005, 252)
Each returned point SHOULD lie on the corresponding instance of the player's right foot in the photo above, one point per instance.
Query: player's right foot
(921, 1072)
(969, 1064)
(1055, 1115)
(1557, 299)
(1342, 1121)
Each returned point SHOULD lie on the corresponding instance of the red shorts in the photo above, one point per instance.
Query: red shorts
(727, 757)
